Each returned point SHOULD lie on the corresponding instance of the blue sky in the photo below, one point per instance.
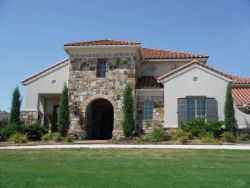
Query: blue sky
(32, 32)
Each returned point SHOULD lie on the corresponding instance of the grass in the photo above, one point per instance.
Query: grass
(124, 168)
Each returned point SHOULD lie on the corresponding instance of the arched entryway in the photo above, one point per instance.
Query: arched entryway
(99, 119)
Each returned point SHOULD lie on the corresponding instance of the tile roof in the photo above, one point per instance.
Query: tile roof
(240, 80)
(103, 42)
(151, 53)
(192, 63)
(241, 95)
(148, 82)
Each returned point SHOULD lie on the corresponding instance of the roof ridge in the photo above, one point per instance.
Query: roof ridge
(103, 40)
(174, 51)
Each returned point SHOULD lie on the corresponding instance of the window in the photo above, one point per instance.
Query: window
(148, 110)
(196, 108)
(101, 69)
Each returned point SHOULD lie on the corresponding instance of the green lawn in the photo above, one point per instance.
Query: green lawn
(107, 168)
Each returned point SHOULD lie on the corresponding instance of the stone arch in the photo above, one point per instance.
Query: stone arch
(99, 119)
(100, 96)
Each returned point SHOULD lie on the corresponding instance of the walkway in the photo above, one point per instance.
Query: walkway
(60, 146)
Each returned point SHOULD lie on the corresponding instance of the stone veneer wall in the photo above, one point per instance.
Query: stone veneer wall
(84, 87)
(158, 112)
(30, 117)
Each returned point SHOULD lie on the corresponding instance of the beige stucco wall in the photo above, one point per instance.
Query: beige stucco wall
(208, 84)
(243, 119)
(161, 68)
(52, 82)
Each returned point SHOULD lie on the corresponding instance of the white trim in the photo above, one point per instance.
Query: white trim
(45, 71)
(186, 69)
(179, 59)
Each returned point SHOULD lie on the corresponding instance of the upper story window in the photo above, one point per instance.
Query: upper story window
(196, 108)
(148, 110)
(101, 69)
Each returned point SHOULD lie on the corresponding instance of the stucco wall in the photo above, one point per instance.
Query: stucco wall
(208, 84)
(243, 120)
(161, 68)
(52, 82)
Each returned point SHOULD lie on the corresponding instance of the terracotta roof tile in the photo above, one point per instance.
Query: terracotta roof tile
(240, 80)
(151, 53)
(148, 82)
(103, 42)
(241, 95)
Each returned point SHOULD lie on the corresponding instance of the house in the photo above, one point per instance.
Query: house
(169, 87)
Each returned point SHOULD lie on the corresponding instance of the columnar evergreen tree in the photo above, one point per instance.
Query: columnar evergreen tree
(63, 112)
(15, 107)
(128, 120)
(230, 122)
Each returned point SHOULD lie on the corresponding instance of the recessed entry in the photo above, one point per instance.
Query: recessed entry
(195, 78)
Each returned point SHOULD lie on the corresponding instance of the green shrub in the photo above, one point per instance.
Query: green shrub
(57, 137)
(3, 122)
(128, 123)
(34, 132)
(208, 138)
(227, 137)
(183, 139)
(144, 138)
(242, 137)
(195, 126)
(214, 127)
(7, 131)
(47, 137)
(199, 127)
(63, 112)
(158, 134)
(180, 133)
(18, 138)
(70, 138)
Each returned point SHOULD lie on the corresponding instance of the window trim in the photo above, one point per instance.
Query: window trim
(100, 61)
(148, 110)
(196, 107)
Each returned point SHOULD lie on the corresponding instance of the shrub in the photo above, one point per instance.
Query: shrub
(70, 138)
(158, 134)
(214, 127)
(63, 112)
(227, 137)
(180, 133)
(230, 121)
(7, 131)
(34, 132)
(195, 126)
(183, 139)
(144, 138)
(128, 123)
(208, 138)
(18, 138)
(3, 122)
(57, 137)
(242, 137)
(15, 107)
(47, 137)
(199, 127)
